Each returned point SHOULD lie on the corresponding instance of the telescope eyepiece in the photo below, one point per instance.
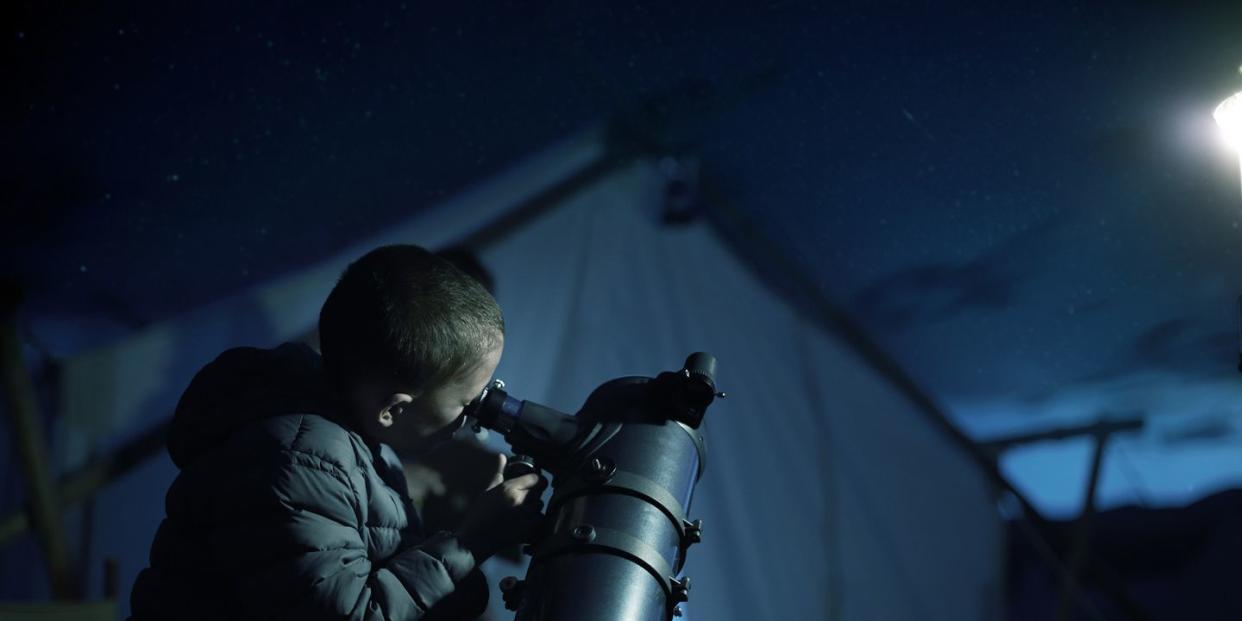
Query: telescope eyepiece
(494, 408)
(702, 365)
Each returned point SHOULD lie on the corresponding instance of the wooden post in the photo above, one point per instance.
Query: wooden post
(80, 485)
(1081, 549)
(23, 409)
(111, 579)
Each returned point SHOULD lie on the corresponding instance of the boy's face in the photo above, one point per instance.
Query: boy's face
(419, 422)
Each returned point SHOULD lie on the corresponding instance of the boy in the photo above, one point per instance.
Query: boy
(291, 503)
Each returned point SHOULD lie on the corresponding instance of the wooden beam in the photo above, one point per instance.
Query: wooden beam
(85, 482)
(1096, 429)
(23, 413)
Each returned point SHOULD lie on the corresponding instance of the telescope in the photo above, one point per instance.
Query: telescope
(623, 472)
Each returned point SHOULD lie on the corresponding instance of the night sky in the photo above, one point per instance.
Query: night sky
(1029, 208)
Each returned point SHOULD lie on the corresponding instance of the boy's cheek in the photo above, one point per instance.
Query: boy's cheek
(449, 417)
(424, 441)
(430, 421)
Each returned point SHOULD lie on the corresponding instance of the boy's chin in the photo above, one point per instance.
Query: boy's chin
(416, 446)
(418, 441)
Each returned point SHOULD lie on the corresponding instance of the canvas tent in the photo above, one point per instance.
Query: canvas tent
(831, 491)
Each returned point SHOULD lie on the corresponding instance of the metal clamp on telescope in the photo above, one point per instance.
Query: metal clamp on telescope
(623, 473)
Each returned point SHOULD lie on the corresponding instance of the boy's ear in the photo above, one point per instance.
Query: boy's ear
(393, 407)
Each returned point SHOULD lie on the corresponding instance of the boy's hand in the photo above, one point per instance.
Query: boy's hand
(503, 515)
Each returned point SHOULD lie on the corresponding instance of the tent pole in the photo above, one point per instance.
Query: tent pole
(793, 283)
(87, 481)
(626, 136)
(22, 407)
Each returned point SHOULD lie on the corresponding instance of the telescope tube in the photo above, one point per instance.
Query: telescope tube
(623, 475)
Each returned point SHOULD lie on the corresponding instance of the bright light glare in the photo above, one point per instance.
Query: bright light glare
(1228, 116)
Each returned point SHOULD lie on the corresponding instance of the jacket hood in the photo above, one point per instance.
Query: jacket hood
(243, 385)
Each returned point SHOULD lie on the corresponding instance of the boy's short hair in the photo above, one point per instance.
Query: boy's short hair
(403, 312)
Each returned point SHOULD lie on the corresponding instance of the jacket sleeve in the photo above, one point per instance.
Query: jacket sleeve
(299, 550)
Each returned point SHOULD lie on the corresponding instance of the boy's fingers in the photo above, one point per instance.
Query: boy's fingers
(499, 477)
(526, 481)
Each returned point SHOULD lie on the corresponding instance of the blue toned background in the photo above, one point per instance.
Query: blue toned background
(1029, 208)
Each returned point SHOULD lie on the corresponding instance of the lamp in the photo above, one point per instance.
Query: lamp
(1228, 116)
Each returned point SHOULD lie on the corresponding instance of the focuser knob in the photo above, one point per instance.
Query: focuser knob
(694, 531)
(519, 465)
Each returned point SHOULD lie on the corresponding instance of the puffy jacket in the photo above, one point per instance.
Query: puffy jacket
(280, 511)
